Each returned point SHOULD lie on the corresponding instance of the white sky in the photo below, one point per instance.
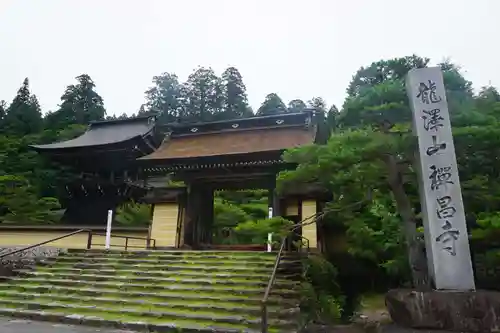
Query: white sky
(298, 49)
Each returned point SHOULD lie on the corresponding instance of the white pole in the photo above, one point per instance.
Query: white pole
(270, 235)
(108, 229)
(269, 241)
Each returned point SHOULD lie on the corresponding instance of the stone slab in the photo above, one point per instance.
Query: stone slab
(8, 325)
(468, 311)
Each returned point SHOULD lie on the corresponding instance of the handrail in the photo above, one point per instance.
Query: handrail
(48, 241)
(89, 241)
(148, 240)
(272, 279)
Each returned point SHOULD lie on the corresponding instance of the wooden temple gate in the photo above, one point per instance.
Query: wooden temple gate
(226, 155)
(124, 160)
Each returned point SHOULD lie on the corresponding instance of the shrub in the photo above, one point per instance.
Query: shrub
(321, 300)
(255, 232)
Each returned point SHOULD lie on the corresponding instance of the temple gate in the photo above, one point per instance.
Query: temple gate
(228, 155)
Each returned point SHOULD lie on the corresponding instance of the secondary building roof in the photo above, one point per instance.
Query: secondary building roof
(105, 133)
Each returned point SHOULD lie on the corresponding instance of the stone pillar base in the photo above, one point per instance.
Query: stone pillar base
(472, 311)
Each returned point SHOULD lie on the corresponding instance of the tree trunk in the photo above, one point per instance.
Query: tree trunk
(416, 254)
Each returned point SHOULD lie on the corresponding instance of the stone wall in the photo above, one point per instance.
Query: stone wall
(25, 258)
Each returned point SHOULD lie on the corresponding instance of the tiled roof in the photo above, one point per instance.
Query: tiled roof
(104, 133)
(233, 142)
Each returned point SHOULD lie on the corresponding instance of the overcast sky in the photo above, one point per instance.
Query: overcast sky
(298, 49)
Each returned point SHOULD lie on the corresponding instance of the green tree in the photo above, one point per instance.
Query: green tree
(3, 111)
(204, 95)
(23, 116)
(235, 95)
(381, 71)
(376, 156)
(331, 118)
(167, 98)
(81, 104)
(272, 105)
(317, 103)
(377, 93)
(133, 214)
(296, 105)
(19, 202)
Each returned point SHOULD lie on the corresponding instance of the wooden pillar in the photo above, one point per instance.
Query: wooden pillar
(208, 218)
(198, 200)
(181, 219)
(273, 199)
(190, 218)
(205, 199)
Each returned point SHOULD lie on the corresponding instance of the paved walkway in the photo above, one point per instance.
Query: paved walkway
(8, 325)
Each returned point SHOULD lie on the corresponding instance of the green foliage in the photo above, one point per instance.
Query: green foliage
(19, 202)
(232, 208)
(203, 97)
(352, 163)
(256, 232)
(272, 104)
(133, 214)
(321, 299)
(80, 104)
(296, 105)
(23, 116)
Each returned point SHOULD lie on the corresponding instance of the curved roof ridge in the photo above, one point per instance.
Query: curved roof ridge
(105, 133)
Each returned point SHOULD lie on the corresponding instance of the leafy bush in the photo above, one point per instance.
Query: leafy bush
(255, 232)
(19, 202)
(133, 214)
(256, 210)
(321, 300)
(226, 218)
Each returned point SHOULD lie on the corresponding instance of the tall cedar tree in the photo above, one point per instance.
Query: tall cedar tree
(23, 116)
(235, 96)
(81, 104)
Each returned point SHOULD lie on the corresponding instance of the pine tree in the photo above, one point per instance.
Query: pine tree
(23, 116)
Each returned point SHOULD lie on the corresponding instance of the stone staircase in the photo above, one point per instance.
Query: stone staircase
(156, 291)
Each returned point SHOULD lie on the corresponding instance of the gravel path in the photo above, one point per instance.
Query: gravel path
(8, 325)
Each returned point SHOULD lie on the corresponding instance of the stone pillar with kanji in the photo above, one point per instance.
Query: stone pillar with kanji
(446, 236)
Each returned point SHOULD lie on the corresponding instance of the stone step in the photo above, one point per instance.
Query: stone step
(159, 290)
(157, 267)
(181, 304)
(188, 274)
(206, 281)
(203, 253)
(177, 251)
(153, 261)
(164, 261)
(133, 322)
(235, 289)
(177, 255)
(146, 314)
(163, 296)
